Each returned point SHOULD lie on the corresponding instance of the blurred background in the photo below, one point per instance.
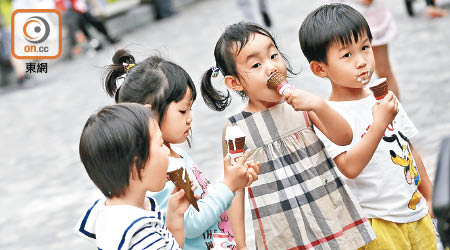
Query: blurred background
(44, 188)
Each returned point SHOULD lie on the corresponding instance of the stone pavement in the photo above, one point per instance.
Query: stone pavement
(44, 186)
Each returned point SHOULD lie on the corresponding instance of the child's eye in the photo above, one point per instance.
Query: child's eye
(273, 56)
(347, 54)
(183, 111)
(365, 47)
(256, 65)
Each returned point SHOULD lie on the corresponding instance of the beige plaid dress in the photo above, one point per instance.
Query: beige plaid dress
(298, 201)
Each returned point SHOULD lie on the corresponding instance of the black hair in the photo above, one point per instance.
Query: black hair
(330, 24)
(154, 81)
(235, 36)
(113, 139)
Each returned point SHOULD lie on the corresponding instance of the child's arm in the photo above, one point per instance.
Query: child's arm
(352, 162)
(236, 215)
(425, 187)
(326, 119)
(219, 198)
(178, 203)
(236, 211)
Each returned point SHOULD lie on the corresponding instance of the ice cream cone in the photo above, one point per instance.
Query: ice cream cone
(176, 177)
(278, 83)
(379, 88)
(235, 139)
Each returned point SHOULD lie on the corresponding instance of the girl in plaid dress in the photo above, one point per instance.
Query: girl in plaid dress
(298, 201)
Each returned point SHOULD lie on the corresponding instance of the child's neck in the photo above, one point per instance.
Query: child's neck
(253, 107)
(172, 153)
(340, 94)
(131, 198)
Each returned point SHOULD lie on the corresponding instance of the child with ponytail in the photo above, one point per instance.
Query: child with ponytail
(299, 201)
(171, 92)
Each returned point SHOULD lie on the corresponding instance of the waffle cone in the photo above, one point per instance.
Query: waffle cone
(176, 177)
(380, 90)
(275, 80)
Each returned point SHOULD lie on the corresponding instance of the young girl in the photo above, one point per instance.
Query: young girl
(299, 201)
(171, 92)
(123, 153)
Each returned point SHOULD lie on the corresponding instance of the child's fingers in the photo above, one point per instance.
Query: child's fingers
(227, 160)
(256, 167)
(388, 97)
(245, 156)
(176, 195)
(252, 173)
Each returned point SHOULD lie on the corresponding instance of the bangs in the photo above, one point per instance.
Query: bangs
(348, 30)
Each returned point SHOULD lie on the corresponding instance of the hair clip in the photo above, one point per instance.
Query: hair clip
(127, 66)
(215, 71)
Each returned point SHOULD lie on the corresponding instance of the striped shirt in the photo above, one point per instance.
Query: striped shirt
(125, 227)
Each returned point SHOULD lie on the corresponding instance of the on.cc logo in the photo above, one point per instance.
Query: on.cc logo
(36, 29)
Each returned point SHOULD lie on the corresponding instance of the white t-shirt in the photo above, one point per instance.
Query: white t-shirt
(386, 185)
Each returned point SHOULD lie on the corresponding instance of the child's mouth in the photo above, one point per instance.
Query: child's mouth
(363, 77)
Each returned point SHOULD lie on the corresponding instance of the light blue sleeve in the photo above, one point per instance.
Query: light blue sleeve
(211, 207)
(217, 201)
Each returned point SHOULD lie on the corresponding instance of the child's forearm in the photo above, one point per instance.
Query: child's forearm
(176, 230)
(236, 216)
(352, 162)
(211, 207)
(425, 187)
(332, 124)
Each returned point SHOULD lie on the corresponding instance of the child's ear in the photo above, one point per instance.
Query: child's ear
(233, 83)
(318, 69)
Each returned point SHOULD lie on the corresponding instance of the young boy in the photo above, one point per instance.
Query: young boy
(380, 165)
(124, 155)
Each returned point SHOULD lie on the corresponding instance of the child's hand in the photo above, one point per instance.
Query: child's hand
(302, 101)
(237, 176)
(366, 2)
(178, 204)
(384, 112)
(253, 171)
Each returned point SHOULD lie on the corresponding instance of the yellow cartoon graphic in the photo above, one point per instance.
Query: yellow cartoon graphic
(409, 168)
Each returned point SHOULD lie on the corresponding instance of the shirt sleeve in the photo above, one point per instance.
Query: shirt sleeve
(333, 149)
(407, 126)
(152, 236)
(211, 207)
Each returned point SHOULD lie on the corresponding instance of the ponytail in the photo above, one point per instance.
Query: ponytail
(213, 98)
(121, 59)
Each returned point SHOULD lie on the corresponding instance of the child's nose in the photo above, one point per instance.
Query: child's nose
(189, 118)
(271, 68)
(361, 61)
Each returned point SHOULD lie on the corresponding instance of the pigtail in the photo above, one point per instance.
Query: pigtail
(213, 98)
(122, 59)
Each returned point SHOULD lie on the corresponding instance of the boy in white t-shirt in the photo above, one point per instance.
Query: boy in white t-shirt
(380, 165)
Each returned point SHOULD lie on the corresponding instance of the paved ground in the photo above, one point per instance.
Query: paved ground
(44, 186)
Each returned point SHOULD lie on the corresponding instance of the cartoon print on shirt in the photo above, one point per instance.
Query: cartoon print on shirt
(406, 161)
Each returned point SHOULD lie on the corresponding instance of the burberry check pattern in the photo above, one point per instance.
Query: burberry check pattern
(298, 201)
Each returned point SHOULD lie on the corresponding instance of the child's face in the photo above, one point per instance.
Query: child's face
(255, 63)
(350, 66)
(155, 171)
(176, 124)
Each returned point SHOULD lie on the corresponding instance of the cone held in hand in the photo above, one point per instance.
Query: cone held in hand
(176, 177)
(379, 88)
(235, 139)
(278, 83)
